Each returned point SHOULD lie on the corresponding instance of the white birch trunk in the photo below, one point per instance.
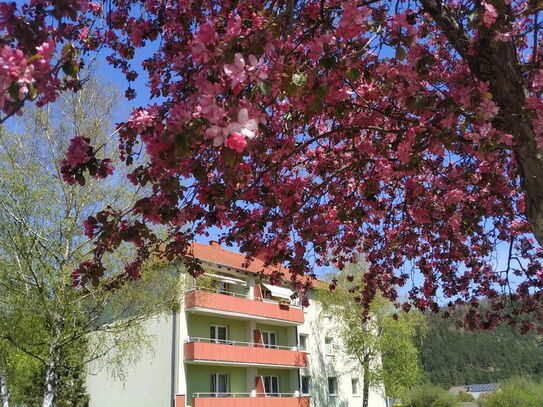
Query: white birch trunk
(51, 376)
(4, 391)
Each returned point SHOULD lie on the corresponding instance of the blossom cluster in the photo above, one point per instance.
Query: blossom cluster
(320, 133)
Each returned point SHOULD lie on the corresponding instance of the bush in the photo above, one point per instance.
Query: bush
(516, 393)
(446, 400)
(430, 396)
(464, 396)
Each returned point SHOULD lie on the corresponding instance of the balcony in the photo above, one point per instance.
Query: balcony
(242, 353)
(240, 305)
(249, 400)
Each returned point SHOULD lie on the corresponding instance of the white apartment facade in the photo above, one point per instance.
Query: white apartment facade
(237, 341)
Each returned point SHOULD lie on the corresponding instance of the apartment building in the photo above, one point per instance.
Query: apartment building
(237, 340)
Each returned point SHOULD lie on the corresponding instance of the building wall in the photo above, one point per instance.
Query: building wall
(317, 326)
(148, 381)
(199, 326)
(198, 379)
(280, 331)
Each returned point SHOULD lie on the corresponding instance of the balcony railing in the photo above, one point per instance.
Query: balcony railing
(293, 303)
(241, 343)
(249, 400)
(242, 353)
(252, 394)
(230, 302)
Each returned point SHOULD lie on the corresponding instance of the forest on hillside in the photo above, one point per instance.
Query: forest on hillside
(452, 355)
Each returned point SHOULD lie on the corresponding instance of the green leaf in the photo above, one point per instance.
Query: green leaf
(265, 87)
(70, 68)
(400, 53)
(299, 79)
(182, 143)
(328, 62)
(32, 91)
(352, 74)
(33, 58)
(228, 56)
(228, 155)
(13, 90)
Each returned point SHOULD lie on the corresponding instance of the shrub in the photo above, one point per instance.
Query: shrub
(516, 393)
(464, 396)
(430, 396)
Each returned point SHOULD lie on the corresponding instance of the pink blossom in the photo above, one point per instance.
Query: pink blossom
(140, 120)
(256, 68)
(244, 125)
(236, 142)
(233, 28)
(78, 152)
(217, 134)
(96, 7)
(490, 14)
(236, 71)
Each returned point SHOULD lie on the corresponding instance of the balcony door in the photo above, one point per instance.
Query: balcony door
(219, 385)
(271, 386)
(269, 339)
(218, 333)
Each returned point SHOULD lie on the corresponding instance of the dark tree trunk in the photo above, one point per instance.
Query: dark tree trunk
(496, 62)
(366, 383)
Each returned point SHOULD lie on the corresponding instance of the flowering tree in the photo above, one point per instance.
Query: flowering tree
(313, 130)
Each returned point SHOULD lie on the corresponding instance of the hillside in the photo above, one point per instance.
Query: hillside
(454, 356)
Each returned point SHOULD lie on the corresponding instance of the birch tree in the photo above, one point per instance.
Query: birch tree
(383, 344)
(42, 239)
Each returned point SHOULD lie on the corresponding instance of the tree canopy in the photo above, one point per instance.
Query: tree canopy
(310, 131)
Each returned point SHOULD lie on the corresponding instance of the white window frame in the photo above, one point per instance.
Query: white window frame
(215, 378)
(268, 335)
(270, 378)
(308, 378)
(333, 380)
(304, 347)
(216, 339)
(329, 346)
(355, 383)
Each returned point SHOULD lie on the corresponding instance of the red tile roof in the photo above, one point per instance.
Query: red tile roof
(214, 253)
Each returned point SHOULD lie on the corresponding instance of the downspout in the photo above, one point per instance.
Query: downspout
(175, 359)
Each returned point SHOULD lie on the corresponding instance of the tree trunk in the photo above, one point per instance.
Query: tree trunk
(4, 391)
(496, 62)
(366, 383)
(51, 376)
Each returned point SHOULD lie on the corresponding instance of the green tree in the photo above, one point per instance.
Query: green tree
(44, 320)
(515, 393)
(383, 345)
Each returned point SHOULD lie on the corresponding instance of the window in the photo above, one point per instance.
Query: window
(218, 333)
(332, 386)
(354, 385)
(304, 384)
(269, 339)
(271, 386)
(223, 287)
(328, 345)
(266, 293)
(219, 385)
(302, 342)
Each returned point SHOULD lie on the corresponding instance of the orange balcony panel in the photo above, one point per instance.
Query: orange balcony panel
(179, 400)
(227, 303)
(243, 354)
(250, 402)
